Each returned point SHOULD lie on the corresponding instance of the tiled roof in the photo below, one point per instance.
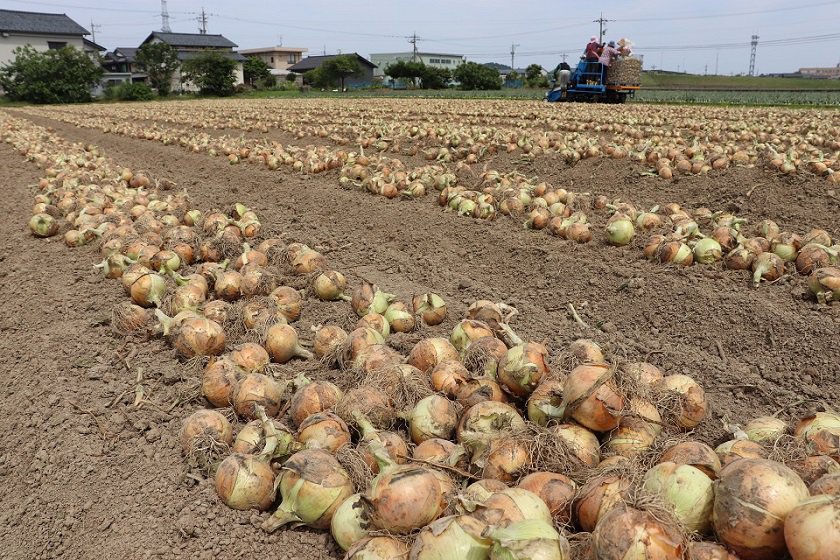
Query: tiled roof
(193, 40)
(34, 22)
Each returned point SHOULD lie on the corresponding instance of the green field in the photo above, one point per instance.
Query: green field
(695, 82)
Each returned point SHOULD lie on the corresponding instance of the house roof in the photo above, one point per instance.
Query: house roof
(312, 62)
(192, 40)
(187, 55)
(35, 22)
(127, 53)
(89, 43)
(419, 53)
(268, 50)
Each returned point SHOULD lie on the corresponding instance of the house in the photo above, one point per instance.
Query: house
(190, 45)
(438, 60)
(830, 73)
(363, 79)
(42, 31)
(278, 59)
(124, 60)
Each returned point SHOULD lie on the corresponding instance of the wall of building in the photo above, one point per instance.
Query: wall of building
(447, 61)
(279, 60)
(38, 42)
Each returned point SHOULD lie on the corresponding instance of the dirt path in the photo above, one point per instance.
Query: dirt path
(72, 490)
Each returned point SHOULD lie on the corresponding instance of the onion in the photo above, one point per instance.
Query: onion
(768, 266)
(148, 290)
(477, 493)
(692, 399)
(696, 454)
(811, 530)
(752, 499)
(586, 351)
(43, 225)
(686, 490)
(370, 401)
(448, 377)
(637, 430)
(377, 548)
(707, 251)
(484, 422)
(769, 229)
(708, 551)
(404, 497)
(255, 390)
(532, 539)
(451, 537)
(786, 246)
(187, 297)
(399, 318)
(165, 261)
(128, 318)
(675, 252)
(476, 390)
(220, 381)
(429, 352)
(626, 533)
(394, 445)
(505, 459)
(308, 261)
(597, 497)
(582, 445)
(765, 429)
(323, 430)
(358, 342)
(250, 257)
(376, 322)
(826, 484)
(328, 339)
(250, 357)
(351, 522)
(538, 218)
(736, 449)
(739, 258)
(642, 373)
(245, 482)
(813, 256)
(467, 331)
(441, 451)
(257, 281)
(281, 341)
(590, 398)
(197, 336)
(258, 315)
(430, 307)
(252, 438)
(522, 368)
(288, 301)
(824, 283)
(312, 485)
(368, 298)
(204, 424)
(819, 236)
(556, 490)
(330, 286)
(811, 468)
(511, 505)
(620, 231)
(432, 417)
(312, 398)
(483, 356)
(544, 403)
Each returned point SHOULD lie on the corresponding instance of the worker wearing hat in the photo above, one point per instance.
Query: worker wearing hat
(609, 54)
(591, 52)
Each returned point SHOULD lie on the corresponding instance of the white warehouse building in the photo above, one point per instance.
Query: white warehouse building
(438, 60)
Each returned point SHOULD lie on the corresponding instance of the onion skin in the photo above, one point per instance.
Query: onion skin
(811, 529)
(429, 352)
(257, 389)
(826, 484)
(630, 534)
(323, 430)
(430, 307)
(686, 490)
(693, 404)
(752, 499)
(598, 496)
(205, 423)
(198, 336)
(220, 381)
(709, 551)
(522, 368)
(598, 409)
(479, 389)
(696, 454)
(281, 341)
(556, 490)
(512, 505)
(404, 498)
(245, 482)
(451, 537)
(432, 417)
(312, 398)
(351, 522)
(377, 548)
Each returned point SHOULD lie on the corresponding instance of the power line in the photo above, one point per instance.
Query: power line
(98, 8)
(732, 14)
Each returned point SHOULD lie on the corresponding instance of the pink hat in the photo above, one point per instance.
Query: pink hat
(593, 38)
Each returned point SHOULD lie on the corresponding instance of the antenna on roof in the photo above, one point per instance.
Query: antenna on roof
(164, 17)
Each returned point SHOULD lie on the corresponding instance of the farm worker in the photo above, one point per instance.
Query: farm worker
(610, 53)
(561, 75)
(590, 54)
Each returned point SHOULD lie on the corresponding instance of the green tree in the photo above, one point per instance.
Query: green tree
(291, 77)
(316, 78)
(512, 76)
(435, 78)
(340, 68)
(160, 60)
(533, 75)
(257, 72)
(477, 76)
(54, 76)
(212, 72)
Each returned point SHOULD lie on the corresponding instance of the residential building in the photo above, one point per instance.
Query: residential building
(191, 45)
(42, 31)
(825, 73)
(278, 59)
(124, 60)
(363, 79)
(437, 60)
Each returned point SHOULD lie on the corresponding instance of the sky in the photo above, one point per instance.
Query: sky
(699, 37)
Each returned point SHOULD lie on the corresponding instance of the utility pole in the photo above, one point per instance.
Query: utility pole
(513, 54)
(202, 22)
(413, 40)
(601, 29)
(563, 56)
(164, 18)
(93, 28)
(717, 59)
(753, 45)
(706, 70)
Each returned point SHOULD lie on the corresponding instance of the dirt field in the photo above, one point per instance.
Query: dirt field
(89, 475)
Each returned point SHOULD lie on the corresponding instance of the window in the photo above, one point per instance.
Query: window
(445, 61)
(434, 61)
(292, 58)
(56, 44)
(272, 60)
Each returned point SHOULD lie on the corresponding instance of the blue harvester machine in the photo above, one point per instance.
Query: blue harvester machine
(591, 81)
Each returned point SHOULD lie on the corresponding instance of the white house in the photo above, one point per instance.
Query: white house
(191, 45)
(437, 60)
(41, 31)
(278, 59)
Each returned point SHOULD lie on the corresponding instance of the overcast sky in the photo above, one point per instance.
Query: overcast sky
(689, 37)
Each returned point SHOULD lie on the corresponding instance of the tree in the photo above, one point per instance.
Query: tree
(533, 74)
(160, 60)
(341, 67)
(212, 72)
(257, 72)
(429, 76)
(512, 76)
(477, 76)
(291, 77)
(55, 76)
(435, 78)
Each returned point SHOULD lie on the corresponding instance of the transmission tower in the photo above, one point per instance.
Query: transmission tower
(164, 18)
(202, 22)
(753, 45)
(601, 29)
(513, 55)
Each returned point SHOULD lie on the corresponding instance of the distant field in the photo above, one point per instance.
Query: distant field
(695, 82)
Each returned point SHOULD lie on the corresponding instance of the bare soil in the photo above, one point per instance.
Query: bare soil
(88, 474)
